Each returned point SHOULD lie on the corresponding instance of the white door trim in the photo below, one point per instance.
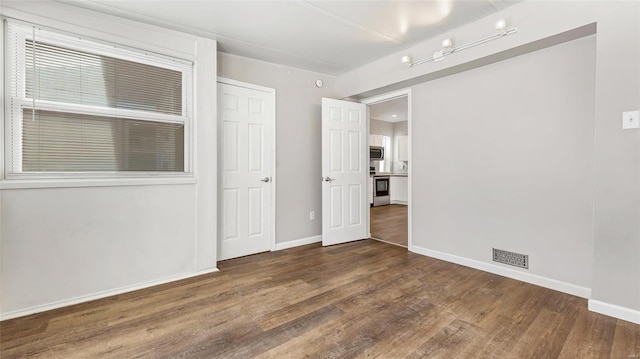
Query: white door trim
(386, 97)
(228, 81)
(274, 176)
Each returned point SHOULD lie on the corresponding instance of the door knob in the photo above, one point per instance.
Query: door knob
(266, 179)
(328, 179)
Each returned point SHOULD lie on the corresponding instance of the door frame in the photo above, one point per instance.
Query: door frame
(383, 98)
(272, 160)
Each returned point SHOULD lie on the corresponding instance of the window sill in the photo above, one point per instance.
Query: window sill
(93, 182)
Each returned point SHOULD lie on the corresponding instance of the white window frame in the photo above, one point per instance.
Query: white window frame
(16, 101)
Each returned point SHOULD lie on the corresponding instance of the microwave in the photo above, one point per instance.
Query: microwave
(376, 153)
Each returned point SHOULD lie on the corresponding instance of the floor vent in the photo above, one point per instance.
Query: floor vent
(511, 258)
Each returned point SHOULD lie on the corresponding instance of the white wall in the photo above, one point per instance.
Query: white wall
(401, 128)
(379, 127)
(64, 245)
(298, 146)
(505, 160)
(206, 170)
(615, 283)
(617, 157)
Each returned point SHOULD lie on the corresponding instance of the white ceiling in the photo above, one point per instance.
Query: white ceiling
(330, 37)
(385, 111)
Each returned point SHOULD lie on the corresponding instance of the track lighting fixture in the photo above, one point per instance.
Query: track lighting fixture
(448, 48)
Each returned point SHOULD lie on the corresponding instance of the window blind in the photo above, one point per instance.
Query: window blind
(61, 142)
(78, 106)
(69, 76)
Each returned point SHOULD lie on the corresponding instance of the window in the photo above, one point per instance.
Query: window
(78, 108)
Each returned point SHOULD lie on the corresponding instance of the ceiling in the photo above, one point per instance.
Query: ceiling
(330, 37)
(385, 111)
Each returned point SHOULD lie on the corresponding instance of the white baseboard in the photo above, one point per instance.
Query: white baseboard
(298, 242)
(616, 311)
(99, 295)
(554, 284)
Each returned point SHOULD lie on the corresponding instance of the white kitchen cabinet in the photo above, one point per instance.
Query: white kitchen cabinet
(403, 148)
(376, 140)
(399, 189)
(370, 191)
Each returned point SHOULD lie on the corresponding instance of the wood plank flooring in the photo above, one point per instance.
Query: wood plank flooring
(390, 223)
(358, 300)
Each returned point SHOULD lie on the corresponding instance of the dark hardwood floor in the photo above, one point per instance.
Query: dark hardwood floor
(362, 299)
(390, 223)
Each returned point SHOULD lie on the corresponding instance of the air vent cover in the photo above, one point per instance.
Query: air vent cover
(511, 258)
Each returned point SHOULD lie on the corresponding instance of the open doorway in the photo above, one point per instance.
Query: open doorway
(389, 197)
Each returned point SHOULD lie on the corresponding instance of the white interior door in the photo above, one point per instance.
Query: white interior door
(345, 171)
(245, 118)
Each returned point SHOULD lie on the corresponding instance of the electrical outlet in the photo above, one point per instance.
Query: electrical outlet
(630, 120)
(312, 215)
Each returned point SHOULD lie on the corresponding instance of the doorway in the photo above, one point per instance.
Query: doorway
(389, 183)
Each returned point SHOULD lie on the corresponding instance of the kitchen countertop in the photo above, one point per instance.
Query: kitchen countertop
(390, 174)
